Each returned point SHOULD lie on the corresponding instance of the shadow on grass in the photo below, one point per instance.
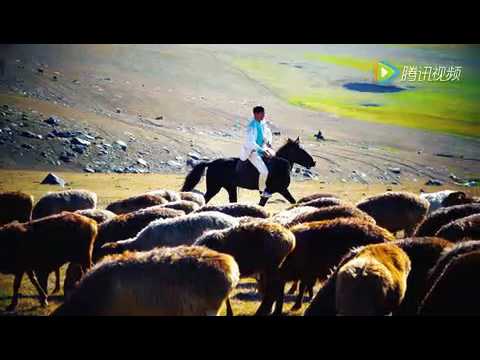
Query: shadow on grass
(255, 296)
(22, 296)
(249, 285)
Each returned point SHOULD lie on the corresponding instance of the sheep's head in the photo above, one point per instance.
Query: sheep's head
(457, 198)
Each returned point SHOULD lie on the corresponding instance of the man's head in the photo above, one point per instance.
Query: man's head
(259, 113)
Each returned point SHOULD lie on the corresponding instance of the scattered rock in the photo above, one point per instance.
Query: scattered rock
(434, 182)
(78, 141)
(31, 135)
(122, 144)
(454, 177)
(118, 111)
(174, 164)
(78, 149)
(67, 156)
(53, 120)
(142, 162)
(178, 158)
(27, 146)
(159, 118)
(88, 169)
(88, 137)
(40, 70)
(194, 155)
(52, 179)
(394, 170)
(471, 183)
(63, 134)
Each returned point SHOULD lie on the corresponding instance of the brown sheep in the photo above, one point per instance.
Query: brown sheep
(178, 281)
(370, 280)
(135, 203)
(285, 216)
(424, 253)
(128, 225)
(259, 249)
(320, 245)
(68, 200)
(168, 195)
(183, 230)
(121, 227)
(446, 257)
(237, 210)
(396, 211)
(459, 198)
(15, 206)
(316, 196)
(443, 216)
(374, 282)
(467, 228)
(186, 206)
(330, 213)
(321, 203)
(40, 246)
(98, 215)
(455, 291)
(192, 196)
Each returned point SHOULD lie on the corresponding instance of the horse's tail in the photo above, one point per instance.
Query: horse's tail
(194, 176)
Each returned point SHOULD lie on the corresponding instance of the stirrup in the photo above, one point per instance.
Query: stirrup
(265, 194)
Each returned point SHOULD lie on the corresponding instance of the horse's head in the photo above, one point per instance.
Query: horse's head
(294, 152)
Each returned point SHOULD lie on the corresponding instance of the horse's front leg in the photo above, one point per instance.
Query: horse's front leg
(263, 201)
(286, 194)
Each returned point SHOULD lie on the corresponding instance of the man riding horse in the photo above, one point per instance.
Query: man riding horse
(258, 143)
(257, 168)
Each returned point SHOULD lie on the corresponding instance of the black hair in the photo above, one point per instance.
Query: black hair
(258, 109)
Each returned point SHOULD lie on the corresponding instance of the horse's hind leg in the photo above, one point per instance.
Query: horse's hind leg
(213, 188)
(232, 193)
(211, 193)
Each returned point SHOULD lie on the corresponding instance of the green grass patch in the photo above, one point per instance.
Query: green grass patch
(446, 107)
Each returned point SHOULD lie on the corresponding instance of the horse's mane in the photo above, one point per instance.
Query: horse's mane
(288, 142)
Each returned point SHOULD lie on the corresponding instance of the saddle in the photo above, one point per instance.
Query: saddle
(246, 174)
(243, 167)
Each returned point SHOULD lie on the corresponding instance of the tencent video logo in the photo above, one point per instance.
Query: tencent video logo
(384, 72)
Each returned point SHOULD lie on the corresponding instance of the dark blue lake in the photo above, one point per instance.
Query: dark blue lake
(373, 88)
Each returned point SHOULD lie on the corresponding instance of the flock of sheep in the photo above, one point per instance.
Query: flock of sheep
(167, 253)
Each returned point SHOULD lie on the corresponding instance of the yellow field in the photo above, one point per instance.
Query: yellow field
(110, 187)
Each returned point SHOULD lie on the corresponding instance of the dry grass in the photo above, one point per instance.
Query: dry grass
(110, 187)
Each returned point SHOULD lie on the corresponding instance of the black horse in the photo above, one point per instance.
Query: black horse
(230, 173)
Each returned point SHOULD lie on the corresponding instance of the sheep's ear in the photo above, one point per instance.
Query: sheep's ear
(297, 141)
